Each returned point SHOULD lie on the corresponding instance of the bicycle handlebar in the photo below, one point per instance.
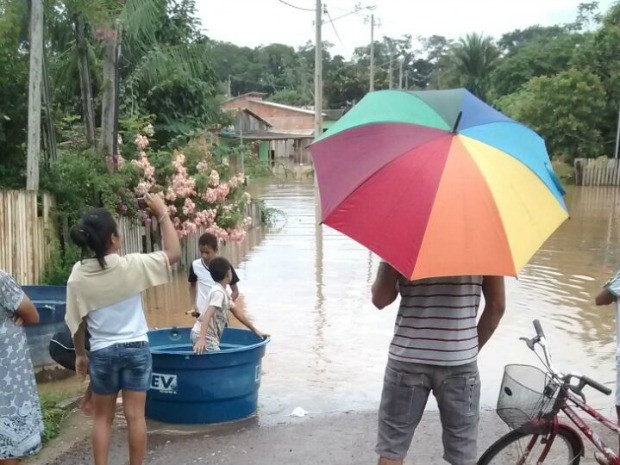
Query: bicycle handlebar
(541, 340)
(538, 328)
(596, 385)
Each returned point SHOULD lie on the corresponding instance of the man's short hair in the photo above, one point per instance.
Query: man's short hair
(209, 240)
(218, 267)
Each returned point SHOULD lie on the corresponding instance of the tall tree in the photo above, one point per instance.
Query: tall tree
(14, 23)
(600, 55)
(86, 88)
(475, 57)
(566, 109)
(538, 56)
(432, 68)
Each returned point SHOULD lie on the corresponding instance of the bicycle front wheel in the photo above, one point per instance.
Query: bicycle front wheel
(512, 449)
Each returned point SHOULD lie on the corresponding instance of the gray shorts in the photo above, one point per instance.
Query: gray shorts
(406, 387)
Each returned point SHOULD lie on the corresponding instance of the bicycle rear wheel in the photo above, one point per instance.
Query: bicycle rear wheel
(511, 449)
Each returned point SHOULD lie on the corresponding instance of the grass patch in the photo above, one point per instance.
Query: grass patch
(53, 415)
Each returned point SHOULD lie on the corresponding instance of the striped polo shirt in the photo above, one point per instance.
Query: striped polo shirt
(436, 322)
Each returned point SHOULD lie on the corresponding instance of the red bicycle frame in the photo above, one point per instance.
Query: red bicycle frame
(594, 438)
(551, 425)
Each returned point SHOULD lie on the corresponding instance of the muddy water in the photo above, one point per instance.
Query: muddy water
(309, 287)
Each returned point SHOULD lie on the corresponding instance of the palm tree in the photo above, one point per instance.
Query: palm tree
(127, 31)
(474, 58)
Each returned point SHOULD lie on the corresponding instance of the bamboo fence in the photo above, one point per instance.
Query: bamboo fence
(27, 234)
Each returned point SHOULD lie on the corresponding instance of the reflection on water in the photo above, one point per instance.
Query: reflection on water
(309, 287)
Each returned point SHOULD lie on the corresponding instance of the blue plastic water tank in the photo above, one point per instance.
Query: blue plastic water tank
(50, 302)
(210, 388)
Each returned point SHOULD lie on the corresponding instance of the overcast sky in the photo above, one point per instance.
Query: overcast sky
(261, 22)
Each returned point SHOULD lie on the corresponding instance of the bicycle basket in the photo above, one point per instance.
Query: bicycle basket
(526, 393)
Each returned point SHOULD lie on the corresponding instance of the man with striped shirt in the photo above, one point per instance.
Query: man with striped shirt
(434, 349)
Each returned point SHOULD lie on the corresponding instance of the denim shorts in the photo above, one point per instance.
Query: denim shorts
(406, 388)
(121, 366)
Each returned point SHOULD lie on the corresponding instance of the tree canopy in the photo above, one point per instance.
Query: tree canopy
(175, 76)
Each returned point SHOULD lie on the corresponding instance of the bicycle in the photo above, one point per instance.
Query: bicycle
(529, 402)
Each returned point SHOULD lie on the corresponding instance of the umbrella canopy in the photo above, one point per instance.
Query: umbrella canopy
(438, 183)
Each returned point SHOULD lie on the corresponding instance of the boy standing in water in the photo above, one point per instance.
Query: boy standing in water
(200, 280)
(212, 318)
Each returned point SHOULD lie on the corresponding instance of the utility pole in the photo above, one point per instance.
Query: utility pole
(372, 53)
(318, 73)
(400, 73)
(34, 95)
(617, 135)
(229, 88)
(242, 148)
(391, 85)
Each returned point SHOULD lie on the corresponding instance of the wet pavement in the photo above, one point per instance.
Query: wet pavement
(341, 439)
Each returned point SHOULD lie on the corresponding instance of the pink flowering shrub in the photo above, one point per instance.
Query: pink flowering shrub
(198, 187)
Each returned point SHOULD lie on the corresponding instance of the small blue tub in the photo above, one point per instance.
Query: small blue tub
(51, 305)
(211, 388)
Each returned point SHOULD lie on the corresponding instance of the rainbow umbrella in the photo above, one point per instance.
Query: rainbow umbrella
(438, 183)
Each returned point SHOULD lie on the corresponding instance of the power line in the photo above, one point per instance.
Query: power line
(331, 21)
(357, 10)
(296, 7)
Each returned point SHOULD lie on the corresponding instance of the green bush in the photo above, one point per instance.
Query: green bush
(61, 261)
(269, 215)
(53, 415)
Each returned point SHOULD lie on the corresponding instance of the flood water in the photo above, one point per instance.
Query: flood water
(309, 287)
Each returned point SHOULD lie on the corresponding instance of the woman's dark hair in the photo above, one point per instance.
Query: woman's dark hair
(93, 232)
(218, 267)
(209, 240)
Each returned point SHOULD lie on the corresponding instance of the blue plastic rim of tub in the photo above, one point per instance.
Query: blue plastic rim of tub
(50, 302)
(210, 388)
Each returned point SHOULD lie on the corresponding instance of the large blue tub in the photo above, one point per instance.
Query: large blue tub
(51, 305)
(214, 387)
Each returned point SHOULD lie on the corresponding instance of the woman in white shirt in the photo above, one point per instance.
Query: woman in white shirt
(104, 295)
